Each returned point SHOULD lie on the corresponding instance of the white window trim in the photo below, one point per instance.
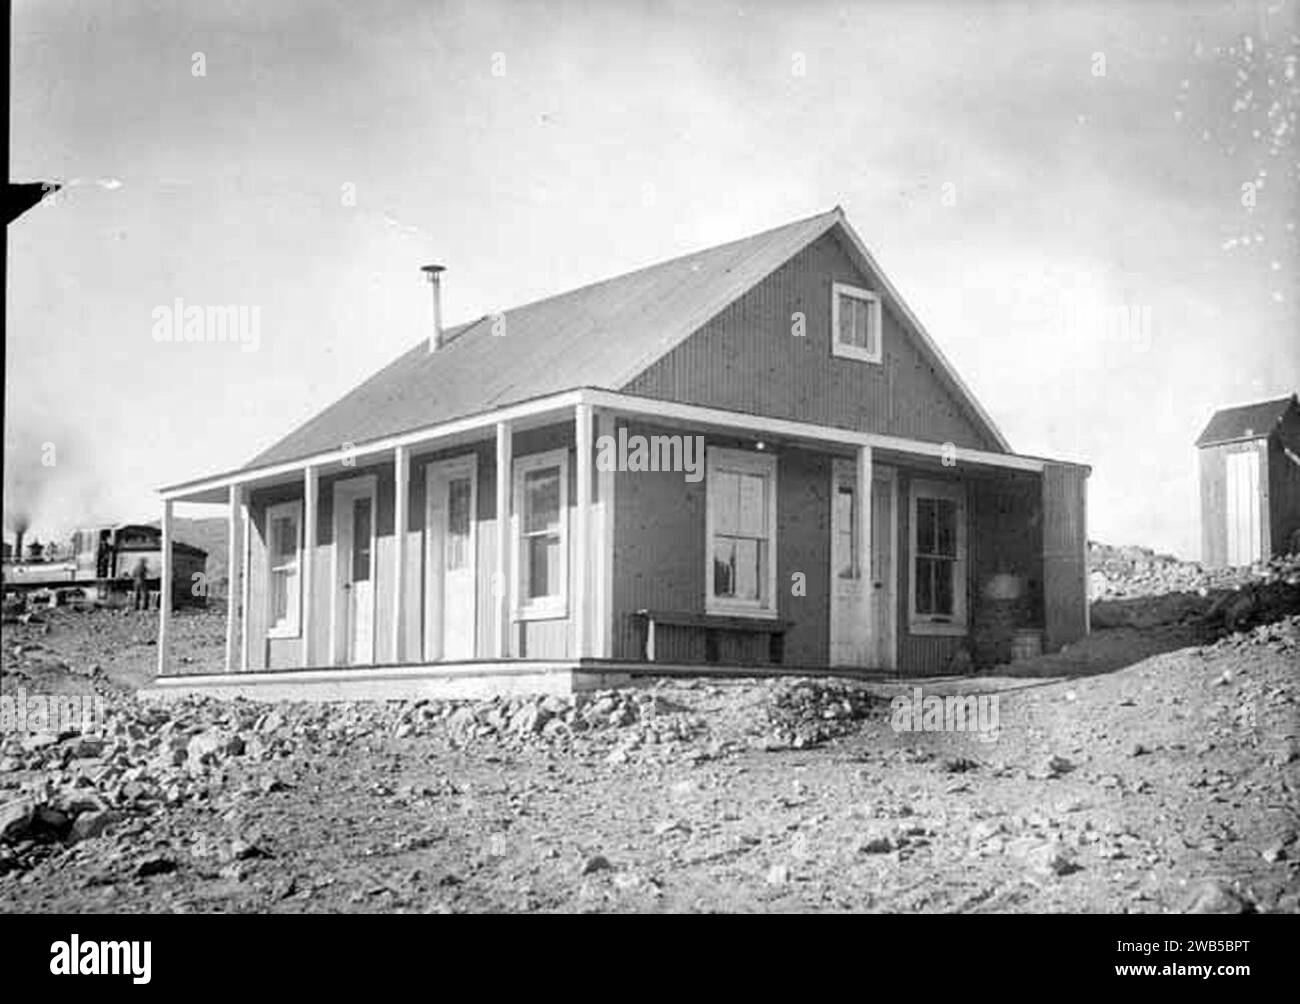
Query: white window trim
(742, 462)
(550, 607)
(839, 289)
(292, 627)
(924, 624)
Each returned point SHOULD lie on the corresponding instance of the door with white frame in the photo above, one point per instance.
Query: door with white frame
(451, 539)
(353, 638)
(852, 643)
(1243, 504)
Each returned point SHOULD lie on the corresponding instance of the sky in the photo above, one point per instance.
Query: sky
(1026, 175)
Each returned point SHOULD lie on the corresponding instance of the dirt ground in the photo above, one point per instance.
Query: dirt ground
(1144, 770)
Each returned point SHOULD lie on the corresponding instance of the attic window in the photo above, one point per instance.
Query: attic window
(855, 323)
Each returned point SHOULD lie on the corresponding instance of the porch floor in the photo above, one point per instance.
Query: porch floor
(471, 679)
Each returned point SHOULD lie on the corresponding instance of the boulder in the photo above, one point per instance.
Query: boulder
(93, 824)
(16, 818)
(1215, 897)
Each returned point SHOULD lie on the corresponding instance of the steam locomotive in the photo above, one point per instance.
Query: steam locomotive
(104, 560)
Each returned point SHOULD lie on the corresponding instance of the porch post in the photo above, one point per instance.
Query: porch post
(246, 588)
(311, 496)
(401, 514)
(165, 588)
(582, 615)
(863, 533)
(603, 559)
(234, 576)
(501, 580)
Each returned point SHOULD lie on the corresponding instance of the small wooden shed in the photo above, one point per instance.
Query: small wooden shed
(1250, 483)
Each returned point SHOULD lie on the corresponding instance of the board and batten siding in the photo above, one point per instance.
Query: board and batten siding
(538, 639)
(1214, 498)
(1065, 555)
(660, 552)
(1284, 485)
(747, 359)
(660, 555)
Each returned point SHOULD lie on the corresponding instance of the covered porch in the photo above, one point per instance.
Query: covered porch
(503, 551)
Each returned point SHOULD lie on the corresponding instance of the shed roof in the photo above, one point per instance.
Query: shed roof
(601, 336)
(1246, 421)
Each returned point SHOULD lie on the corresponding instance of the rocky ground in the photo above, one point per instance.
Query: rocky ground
(1120, 573)
(1150, 768)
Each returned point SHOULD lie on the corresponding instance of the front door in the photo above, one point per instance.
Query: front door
(852, 643)
(1244, 544)
(451, 589)
(354, 572)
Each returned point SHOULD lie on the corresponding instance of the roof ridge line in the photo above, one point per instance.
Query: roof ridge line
(836, 211)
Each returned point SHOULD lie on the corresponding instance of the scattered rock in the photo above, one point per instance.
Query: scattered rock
(208, 747)
(983, 831)
(89, 825)
(1214, 896)
(16, 818)
(1050, 859)
(155, 864)
(244, 850)
(528, 719)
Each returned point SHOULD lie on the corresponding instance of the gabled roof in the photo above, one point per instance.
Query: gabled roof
(1246, 421)
(600, 336)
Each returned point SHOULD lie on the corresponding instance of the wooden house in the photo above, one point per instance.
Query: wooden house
(749, 458)
(1250, 483)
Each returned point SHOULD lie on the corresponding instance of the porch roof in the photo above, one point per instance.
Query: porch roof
(557, 407)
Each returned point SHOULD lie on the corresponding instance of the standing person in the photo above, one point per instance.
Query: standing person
(140, 591)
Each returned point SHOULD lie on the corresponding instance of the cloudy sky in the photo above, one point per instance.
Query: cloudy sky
(1023, 175)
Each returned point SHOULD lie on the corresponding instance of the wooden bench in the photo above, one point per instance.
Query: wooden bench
(712, 624)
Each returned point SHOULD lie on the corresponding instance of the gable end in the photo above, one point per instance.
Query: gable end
(771, 352)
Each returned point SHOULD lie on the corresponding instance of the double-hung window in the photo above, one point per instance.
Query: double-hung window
(541, 483)
(741, 529)
(284, 552)
(938, 573)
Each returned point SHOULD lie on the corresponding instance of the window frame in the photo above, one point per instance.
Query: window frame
(546, 607)
(937, 624)
(838, 348)
(292, 626)
(748, 462)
